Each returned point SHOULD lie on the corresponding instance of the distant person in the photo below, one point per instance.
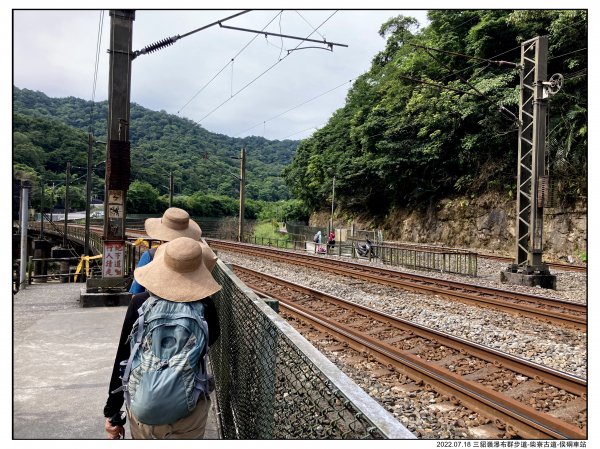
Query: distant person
(174, 223)
(331, 240)
(163, 400)
(317, 237)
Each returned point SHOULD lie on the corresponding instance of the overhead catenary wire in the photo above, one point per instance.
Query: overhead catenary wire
(295, 107)
(435, 85)
(304, 130)
(309, 24)
(569, 53)
(482, 61)
(224, 166)
(98, 46)
(574, 75)
(259, 76)
(491, 61)
(503, 110)
(226, 65)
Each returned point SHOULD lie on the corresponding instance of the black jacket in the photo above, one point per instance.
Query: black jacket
(115, 400)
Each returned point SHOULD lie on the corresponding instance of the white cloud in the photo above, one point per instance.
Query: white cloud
(54, 52)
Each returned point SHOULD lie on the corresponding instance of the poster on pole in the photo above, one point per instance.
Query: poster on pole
(114, 259)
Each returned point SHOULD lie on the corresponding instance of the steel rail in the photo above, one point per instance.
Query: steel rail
(555, 265)
(538, 307)
(552, 310)
(529, 422)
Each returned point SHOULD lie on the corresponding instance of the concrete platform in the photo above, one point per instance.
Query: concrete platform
(62, 361)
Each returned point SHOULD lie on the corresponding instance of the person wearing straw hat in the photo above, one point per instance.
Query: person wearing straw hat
(180, 272)
(174, 223)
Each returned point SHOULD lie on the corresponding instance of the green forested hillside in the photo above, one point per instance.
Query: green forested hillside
(48, 132)
(434, 117)
(401, 140)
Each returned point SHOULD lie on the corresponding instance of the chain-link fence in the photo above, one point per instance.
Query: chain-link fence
(273, 384)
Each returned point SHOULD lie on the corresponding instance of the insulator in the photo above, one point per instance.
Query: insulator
(158, 45)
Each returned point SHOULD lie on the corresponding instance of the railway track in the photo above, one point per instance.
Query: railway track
(551, 265)
(524, 399)
(555, 311)
(98, 230)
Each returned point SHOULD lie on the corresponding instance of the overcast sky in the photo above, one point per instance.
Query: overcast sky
(55, 52)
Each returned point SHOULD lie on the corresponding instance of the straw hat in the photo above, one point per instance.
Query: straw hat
(174, 223)
(210, 258)
(178, 272)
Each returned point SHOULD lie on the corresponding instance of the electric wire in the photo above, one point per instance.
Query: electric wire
(298, 132)
(491, 61)
(96, 64)
(577, 74)
(482, 61)
(295, 107)
(280, 32)
(310, 24)
(226, 65)
(569, 53)
(224, 166)
(439, 86)
(503, 110)
(259, 76)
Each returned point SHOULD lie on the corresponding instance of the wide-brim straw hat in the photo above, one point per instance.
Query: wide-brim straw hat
(178, 272)
(209, 256)
(174, 223)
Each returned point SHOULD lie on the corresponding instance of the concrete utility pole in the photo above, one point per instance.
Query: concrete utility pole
(170, 189)
(42, 210)
(24, 218)
(242, 181)
(118, 162)
(66, 214)
(88, 196)
(332, 202)
(532, 182)
(118, 166)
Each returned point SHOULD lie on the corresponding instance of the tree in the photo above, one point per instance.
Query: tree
(142, 198)
(422, 124)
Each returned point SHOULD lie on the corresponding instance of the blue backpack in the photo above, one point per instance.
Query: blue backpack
(166, 375)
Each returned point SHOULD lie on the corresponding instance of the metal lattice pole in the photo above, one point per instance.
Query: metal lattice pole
(532, 134)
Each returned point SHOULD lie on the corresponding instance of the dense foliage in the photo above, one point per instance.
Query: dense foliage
(420, 125)
(49, 132)
(400, 140)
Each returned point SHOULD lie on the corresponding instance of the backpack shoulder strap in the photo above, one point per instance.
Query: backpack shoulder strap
(138, 342)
